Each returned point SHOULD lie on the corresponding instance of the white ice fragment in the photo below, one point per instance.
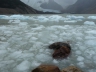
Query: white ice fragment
(55, 18)
(2, 38)
(92, 17)
(78, 52)
(25, 65)
(35, 64)
(23, 23)
(3, 51)
(15, 54)
(3, 27)
(10, 21)
(42, 19)
(90, 42)
(19, 17)
(43, 57)
(89, 23)
(4, 17)
(16, 21)
(80, 58)
(55, 61)
(75, 17)
(81, 64)
(70, 21)
(91, 32)
(33, 38)
(94, 58)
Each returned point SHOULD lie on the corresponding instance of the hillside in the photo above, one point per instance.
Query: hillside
(82, 7)
(17, 7)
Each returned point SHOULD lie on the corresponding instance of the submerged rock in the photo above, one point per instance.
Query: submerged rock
(62, 50)
(46, 68)
(71, 69)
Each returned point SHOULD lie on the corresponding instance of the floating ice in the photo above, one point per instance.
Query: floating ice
(55, 61)
(42, 19)
(14, 21)
(35, 64)
(18, 17)
(55, 18)
(80, 58)
(89, 23)
(75, 17)
(92, 17)
(3, 17)
(25, 65)
(43, 57)
(72, 21)
(90, 42)
(81, 64)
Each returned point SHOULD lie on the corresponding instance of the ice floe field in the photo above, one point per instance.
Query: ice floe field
(24, 41)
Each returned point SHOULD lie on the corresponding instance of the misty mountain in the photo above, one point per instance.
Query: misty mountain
(82, 7)
(17, 7)
(51, 5)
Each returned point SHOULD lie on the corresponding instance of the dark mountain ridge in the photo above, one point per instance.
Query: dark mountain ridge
(18, 7)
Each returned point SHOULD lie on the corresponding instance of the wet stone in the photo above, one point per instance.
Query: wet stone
(71, 69)
(61, 50)
(46, 68)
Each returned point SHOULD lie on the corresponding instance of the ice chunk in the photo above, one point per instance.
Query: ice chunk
(75, 17)
(43, 57)
(55, 18)
(80, 58)
(71, 21)
(90, 42)
(10, 21)
(4, 17)
(3, 27)
(55, 61)
(78, 52)
(16, 21)
(42, 19)
(89, 23)
(92, 17)
(94, 58)
(2, 38)
(18, 17)
(33, 38)
(25, 65)
(91, 32)
(3, 51)
(35, 64)
(81, 64)
(23, 23)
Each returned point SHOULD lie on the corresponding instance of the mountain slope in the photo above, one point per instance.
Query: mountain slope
(14, 7)
(18, 7)
(52, 5)
(82, 7)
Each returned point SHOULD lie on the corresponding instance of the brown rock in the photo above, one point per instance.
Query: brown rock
(57, 45)
(46, 68)
(62, 50)
(71, 69)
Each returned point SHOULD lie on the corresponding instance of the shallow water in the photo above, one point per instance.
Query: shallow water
(24, 41)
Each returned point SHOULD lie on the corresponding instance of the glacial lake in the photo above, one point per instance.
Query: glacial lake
(24, 41)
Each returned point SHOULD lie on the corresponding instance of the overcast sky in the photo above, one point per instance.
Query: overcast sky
(36, 3)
